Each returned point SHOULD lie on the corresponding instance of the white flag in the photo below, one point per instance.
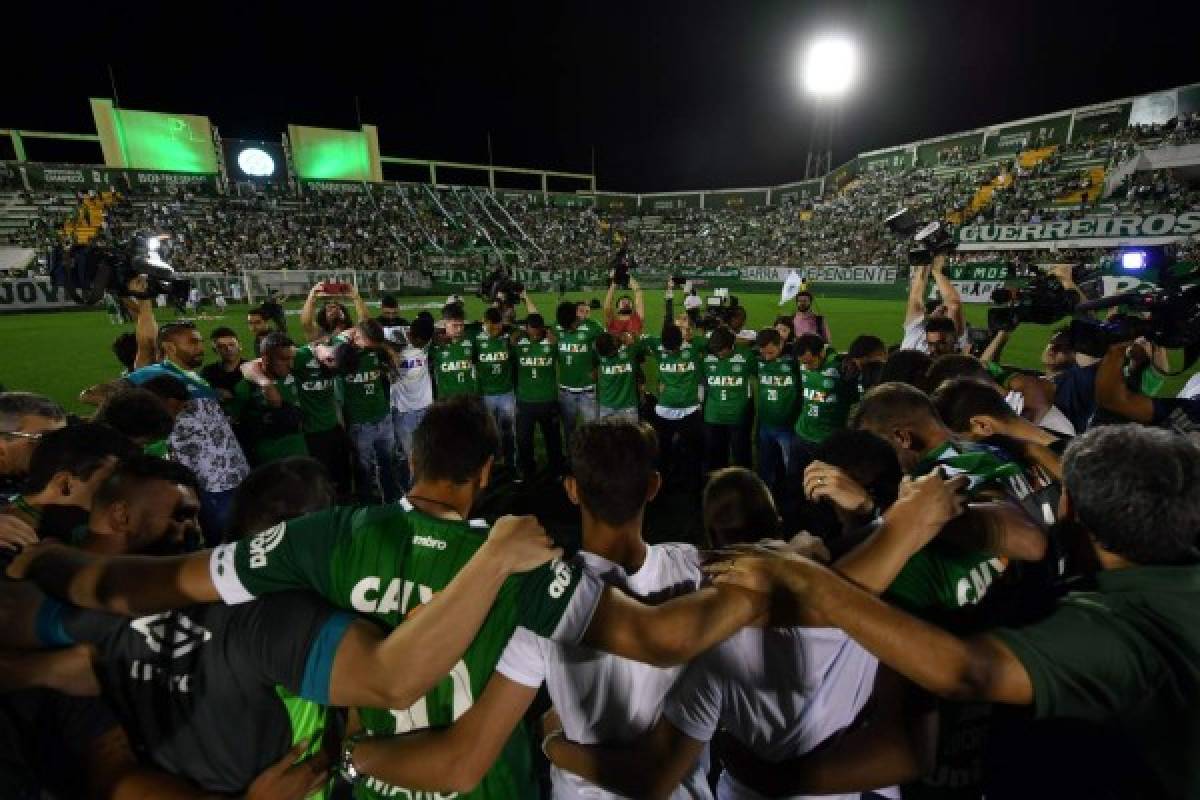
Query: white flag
(791, 287)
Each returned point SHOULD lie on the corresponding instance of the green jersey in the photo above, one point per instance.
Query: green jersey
(454, 367)
(318, 391)
(727, 388)
(617, 378)
(678, 372)
(493, 363)
(366, 390)
(942, 576)
(273, 435)
(826, 401)
(385, 561)
(576, 357)
(536, 380)
(777, 392)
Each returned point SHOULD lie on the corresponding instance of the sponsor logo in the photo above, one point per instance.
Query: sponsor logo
(264, 543)
(171, 633)
(430, 542)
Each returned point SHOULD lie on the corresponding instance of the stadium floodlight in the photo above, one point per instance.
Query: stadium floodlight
(257, 162)
(830, 66)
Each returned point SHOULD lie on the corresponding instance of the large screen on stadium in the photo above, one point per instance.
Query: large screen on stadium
(330, 155)
(174, 142)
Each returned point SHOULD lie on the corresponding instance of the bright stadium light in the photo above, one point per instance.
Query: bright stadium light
(257, 162)
(830, 66)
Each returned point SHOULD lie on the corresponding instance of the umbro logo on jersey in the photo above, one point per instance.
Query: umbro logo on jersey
(264, 543)
(170, 633)
(430, 542)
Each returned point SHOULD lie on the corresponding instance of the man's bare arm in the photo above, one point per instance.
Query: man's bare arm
(918, 281)
(950, 296)
(1112, 393)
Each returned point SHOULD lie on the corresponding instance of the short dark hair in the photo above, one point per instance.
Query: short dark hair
(892, 405)
(170, 329)
(168, 387)
(421, 330)
(454, 311)
(14, 405)
(672, 337)
(956, 365)
(454, 440)
(865, 345)
(959, 399)
(722, 338)
(768, 336)
(784, 319)
(133, 473)
(868, 459)
(1137, 491)
(276, 492)
(275, 340)
(78, 449)
(493, 315)
(222, 333)
(941, 325)
(536, 321)
(256, 311)
(612, 461)
(607, 345)
(125, 348)
(804, 293)
(907, 366)
(809, 343)
(565, 313)
(388, 301)
(137, 413)
(737, 508)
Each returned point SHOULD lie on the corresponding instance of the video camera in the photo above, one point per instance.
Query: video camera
(89, 271)
(622, 263)
(929, 240)
(1041, 299)
(1167, 315)
(719, 310)
(498, 283)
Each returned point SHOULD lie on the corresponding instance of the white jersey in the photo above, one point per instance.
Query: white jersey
(1191, 388)
(914, 337)
(413, 388)
(601, 697)
(778, 691)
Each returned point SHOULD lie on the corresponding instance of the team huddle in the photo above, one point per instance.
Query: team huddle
(294, 576)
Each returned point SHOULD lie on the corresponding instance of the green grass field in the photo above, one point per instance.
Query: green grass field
(61, 353)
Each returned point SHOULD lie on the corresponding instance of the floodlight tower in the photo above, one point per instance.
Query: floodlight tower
(828, 70)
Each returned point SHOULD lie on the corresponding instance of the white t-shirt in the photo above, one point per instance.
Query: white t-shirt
(1191, 388)
(914, 337)
(412, 390)
(602, 697)
(692, 301)
(779, 691)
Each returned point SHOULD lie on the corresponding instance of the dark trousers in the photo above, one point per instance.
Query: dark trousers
(544, 416)
(680, 448)
(332, 448)
(721, 440)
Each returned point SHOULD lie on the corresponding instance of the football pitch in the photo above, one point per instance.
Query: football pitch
(61, 353)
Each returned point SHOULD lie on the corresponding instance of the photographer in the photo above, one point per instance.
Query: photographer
(1114, 394)
(629, 315)
(930, 334)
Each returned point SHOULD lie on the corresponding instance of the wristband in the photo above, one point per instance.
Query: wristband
(346, 769)
(546, 742)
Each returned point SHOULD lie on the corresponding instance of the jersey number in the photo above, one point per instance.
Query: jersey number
(772, 394)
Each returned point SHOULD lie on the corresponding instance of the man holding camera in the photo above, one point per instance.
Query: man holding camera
(942, 331)
(630, 313)
(1113, 394)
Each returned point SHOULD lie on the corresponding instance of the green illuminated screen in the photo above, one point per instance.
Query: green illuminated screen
(175, 142)
(327, 154)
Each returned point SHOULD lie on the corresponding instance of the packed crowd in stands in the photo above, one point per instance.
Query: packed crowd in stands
(894, 570)
(394, 227)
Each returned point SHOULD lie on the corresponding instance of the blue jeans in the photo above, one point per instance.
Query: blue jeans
(503, 408)
(214, 515)
(605, 412)
(578, 408)
(404, 424)
(774, 447)
(375, 449)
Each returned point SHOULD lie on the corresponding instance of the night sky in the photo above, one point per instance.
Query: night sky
(671, 95)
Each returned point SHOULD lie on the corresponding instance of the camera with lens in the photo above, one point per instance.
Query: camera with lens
(929, 240)
(722, 307)
(622, 264)
(1040, 299)
(89, 271)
